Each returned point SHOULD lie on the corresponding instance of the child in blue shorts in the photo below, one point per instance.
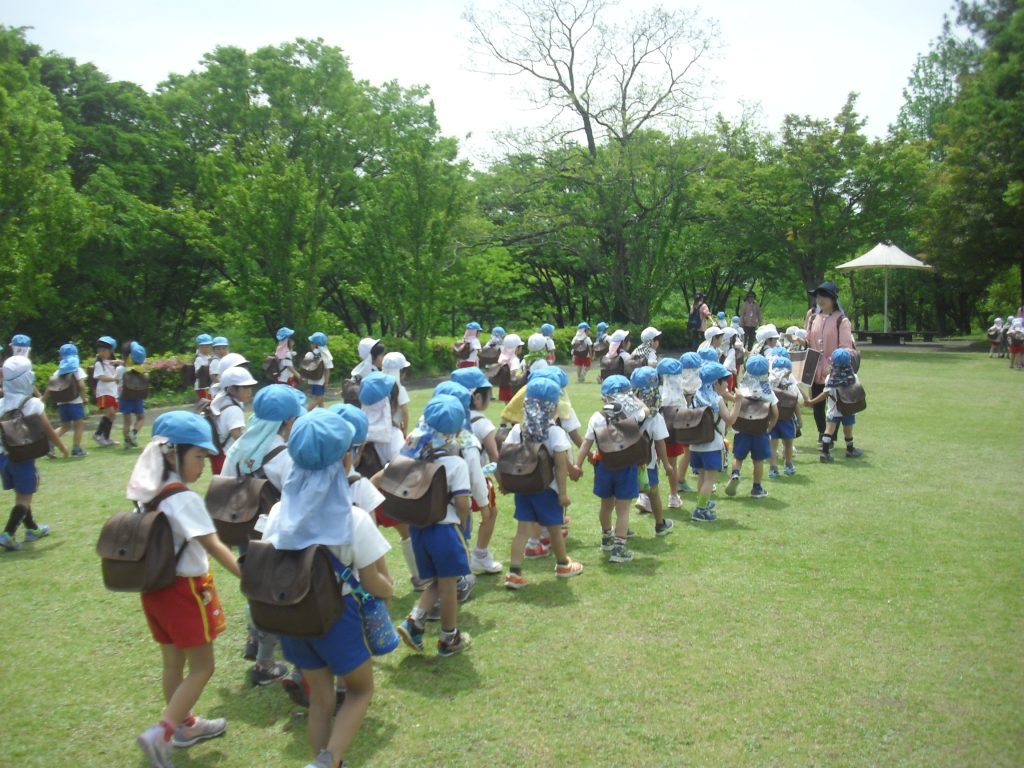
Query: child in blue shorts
(72, 413)
(440, 549)
(754, 386)
(647, 389)
(616, 488)
(126, 407)
(706, 458)
(785, 429)
(318, 351)
(841, 375)
(546, 508)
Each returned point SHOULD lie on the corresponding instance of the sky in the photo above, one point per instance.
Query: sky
(787, 56)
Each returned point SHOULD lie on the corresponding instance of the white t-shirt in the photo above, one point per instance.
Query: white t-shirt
(403, 399)
(718, 442)
(457, 472)
(831, 403)
(32, 407)
(557, 441)
(324, 354)
(284, 367)
(105, 388)
(367, 547)
(276, 470)
(473, 454)
(481, 425)
(201, 361)
(363, 493)
(80, 375)
(189, 518)
(656, 429)
(475, 346)
(230, 417)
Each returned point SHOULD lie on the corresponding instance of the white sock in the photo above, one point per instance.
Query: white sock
(410, 558)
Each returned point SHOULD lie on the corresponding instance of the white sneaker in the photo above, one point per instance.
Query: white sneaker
(486, 564)
(674, 502)
(200, 730)
(156, 748)
(643, 503)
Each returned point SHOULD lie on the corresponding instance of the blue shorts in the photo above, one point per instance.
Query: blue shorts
(70, 412)
(758, 446)
(440, 551)
(342, 649)
(846, 421)
(132, 406)
(316, 390)
(621, 484)
(710, 460)
(20, 477)
(540, 508)
(652, 478)
(783, 430)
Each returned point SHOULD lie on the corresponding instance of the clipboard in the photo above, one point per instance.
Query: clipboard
(808, 366)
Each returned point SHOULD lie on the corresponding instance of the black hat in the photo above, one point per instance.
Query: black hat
(828, 288)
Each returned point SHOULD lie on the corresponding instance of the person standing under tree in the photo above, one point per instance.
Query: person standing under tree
(750, 318)
(697, 322)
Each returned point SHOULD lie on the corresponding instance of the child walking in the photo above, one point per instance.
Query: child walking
(755, 386)
(706, 458)
(582, 351)
(395, 365)
(220, 348)
(472, 346)
(185, 617)
(673, 395)
(130, 407)
(995, 338)
(319, 352)
(548, 332)
(509, 356)
(647, 389)
(286, 373)
(203, 366)
(72, 413)
(105, 375)
(785, 428)
(229, 410)
(841, 375)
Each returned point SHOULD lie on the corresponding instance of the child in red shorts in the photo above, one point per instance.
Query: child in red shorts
(185, 617)
(105, 375)
(582, 351)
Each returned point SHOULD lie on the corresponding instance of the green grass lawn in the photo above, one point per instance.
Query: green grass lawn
(868, 613)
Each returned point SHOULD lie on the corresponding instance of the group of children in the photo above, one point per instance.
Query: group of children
(1006, 339)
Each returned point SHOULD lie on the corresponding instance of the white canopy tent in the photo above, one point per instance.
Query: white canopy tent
(884, 256)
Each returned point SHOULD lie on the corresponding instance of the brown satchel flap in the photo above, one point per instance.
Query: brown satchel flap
(525, 467)
(415, 492)
(754, 417)
(489, 355)
(499, 375)
(63, 388)
(350, 390)
(611, 366)
(851, 399)
(622, 443)
(693, 426)
(136, 386)
(24, 437)
(312, 367)
(787, 404)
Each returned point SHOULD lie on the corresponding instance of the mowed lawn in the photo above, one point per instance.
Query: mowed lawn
(868, 613)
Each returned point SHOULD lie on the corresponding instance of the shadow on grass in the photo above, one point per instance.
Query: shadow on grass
(547, 591)
(721, 525)
(31, 551)
(430, 675)
(749, 504)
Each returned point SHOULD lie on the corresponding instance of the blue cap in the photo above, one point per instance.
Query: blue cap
(184, 428)
(710, 372)
(68, 350)
(602, 327)
(644, 377)
(554, 373)
(709, 355)
(543, 389)
(547, 329)
(498, 331)
(459, 392)
(220, 341)
(735, 319)
(138, 353)
(777, 352)
(283, 333)
(474, 326)
(21, 340)
(445, 414)
(375, 387)
(691, 360)
(278, 402)
(356, 419)
(471, 378)
(319, 338)
(319, 439)
(110, 341)
(68, 364)
(721, 315)
(203, 338)
(782, 362)
(757, 365)
(842, 357)
(583, 327)
(669, 366)
(616, 383)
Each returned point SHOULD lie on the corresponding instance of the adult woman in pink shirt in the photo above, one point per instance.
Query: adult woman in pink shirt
(828, 329)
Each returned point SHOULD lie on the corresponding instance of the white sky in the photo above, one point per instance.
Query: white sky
(799, 56)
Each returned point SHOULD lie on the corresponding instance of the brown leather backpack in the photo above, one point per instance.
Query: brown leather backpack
(291, 591)
(851, 399)
(600, 348)
(787, 404)
(692, 426)
(24, 437)
(524, 467)
(489, 355)
(271, 368)
(754, 417)
(63, 388)
(188, 375)
(203, 377)
(580, 348)
(205, 409)
(136, 548)
(350, 391)
(236, 503)
(312, 368)
(369, 463)
(612, 365)
(135, 386)
(622, 443)
(499, 375)
(462, 349)
(415, 492)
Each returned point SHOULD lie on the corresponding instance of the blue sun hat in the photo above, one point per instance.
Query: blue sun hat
(138, 353)
(644, 377)
(613, 384)
(460, 393)
(498, 331)
(319, 439)
(220, 341)
(470, 378)
(842, 357)
(721, 315)
(583, 327)
(444, 414)
(68, 350)
(375, 387)
(669, 366)
(474, 326)
(691, 360)
(602, 327)
(712, 372)
(778, 361)
(554, 373)
(757, 365)
(278, 402)
(69, 364)
(21, 340)
(284, 332)
(547, 329)
(108, 341)
(184, 428)
(544, 389)
(709, 355)
(356, 419)
(203, 339)
(319, 338)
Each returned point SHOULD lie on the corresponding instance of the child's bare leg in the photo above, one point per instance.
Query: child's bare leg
(622, 517)
(758, 472)
(79, 432)
(605, 513)
(448, 590)
(186, 693)
(775, 452)
(126, 427)
(488, 517)
(558, 544)
(519, 543)
(673, 475)
(656, 508)
(322, 700)
(358, 695)
(787, 451)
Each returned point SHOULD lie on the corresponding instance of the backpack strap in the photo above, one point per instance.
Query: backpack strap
(171, 489)
(345, 574)
(268, 457)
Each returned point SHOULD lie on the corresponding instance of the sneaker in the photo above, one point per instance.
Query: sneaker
(200, 730)
(853, 453)
(702, 515)
(730, 487)
(620, 555)
(134, 437)
(35, 534)
(758, 492)
(537, 552)
(773, 473)
(461, 642)
(630, 533)
(465, 587)
(712, 506)
(78, 453)
(99, 439)
(826, 458)
(515, 581)
(52, 453)
(411, 634)
(295, 686)
(251, 649)
(789, 470)
(643, 503)
(8, 542)
(485, 564)
(259, 676)
(157, 749)
(674, 502)
(418, 585)
(434, 614)
(607, 542)
(324, 760)
(127, 444)
(684, 487)
(664, 528)
(570, 569)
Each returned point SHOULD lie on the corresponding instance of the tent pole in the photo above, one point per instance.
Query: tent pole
(885, 308)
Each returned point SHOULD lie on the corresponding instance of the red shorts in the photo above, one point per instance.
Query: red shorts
(467, 364)
(584, 361)
(187, 614)
(492, 499)
(383, 521)
(675, 449)
(505, 394)
(202, 394)
(217, 463)
(106, 401)
(1017, 349)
